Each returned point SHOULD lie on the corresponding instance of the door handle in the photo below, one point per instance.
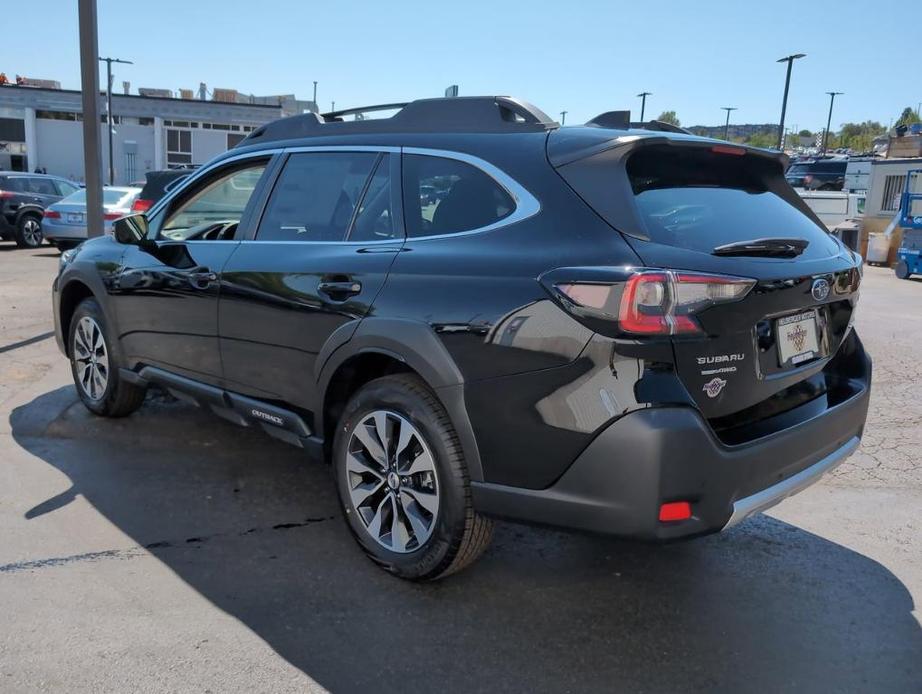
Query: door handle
(340, 291)
(202, 279)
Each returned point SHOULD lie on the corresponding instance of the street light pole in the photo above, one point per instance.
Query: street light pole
(315, 95)
(643, 103)
(89, 84)
(784, 101)
(727, 126)
(108, 62)
(563, 117)
(832, 98)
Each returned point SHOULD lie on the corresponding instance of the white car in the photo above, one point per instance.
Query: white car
(64, 222)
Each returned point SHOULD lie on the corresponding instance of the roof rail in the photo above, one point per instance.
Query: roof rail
(454, 114)
(621, 120)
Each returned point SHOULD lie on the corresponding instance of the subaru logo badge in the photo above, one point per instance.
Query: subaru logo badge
(820, 289)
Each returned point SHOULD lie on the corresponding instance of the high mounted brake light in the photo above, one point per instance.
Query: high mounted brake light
(728, 149)
(657, 302)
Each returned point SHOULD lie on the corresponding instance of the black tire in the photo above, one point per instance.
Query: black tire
(902, 270)
(29, 231)
(459, 535)
(117, 398)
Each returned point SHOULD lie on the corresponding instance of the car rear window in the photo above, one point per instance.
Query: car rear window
(700, 199)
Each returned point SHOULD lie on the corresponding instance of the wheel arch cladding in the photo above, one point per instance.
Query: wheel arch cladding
(72, 294)
(393, 345)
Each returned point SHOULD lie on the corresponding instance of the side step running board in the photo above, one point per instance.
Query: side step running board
(276, 421)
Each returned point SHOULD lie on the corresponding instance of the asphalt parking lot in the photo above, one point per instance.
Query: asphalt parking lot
(171, 551)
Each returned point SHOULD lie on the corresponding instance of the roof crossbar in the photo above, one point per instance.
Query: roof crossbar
(338, 115)
(452, 114)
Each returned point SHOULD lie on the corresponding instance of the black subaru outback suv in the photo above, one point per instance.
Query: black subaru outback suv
(627, 331)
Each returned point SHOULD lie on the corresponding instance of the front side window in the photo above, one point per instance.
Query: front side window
(214, 209)
(374, 220)
(66, 188)
(315, 196)
(447, 196)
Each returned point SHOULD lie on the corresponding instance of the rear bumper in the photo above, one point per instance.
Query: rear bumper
(658, 455)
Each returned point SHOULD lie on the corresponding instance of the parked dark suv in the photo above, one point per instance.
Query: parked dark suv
(23, 199)
(634, 332)
(821, 174)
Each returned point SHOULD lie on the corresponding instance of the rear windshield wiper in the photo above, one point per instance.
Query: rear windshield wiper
(771, 248)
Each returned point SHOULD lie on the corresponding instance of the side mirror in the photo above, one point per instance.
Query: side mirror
(130, 230)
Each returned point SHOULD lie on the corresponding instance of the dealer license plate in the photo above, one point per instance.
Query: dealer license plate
(797, 338)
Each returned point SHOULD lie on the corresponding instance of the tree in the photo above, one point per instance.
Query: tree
(860, 136)
(764, 140)
(805, 133)
(908, 116)
(669, 117)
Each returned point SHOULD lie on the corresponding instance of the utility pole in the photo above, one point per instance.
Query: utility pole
(832, 98)
(108, 62)
(784, 101)
(643, 103)
(333, 106)
(315, 95)
(727, 126)
(563, 117)
(89, 84)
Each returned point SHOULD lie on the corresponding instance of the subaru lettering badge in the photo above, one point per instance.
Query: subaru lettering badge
(820, 289)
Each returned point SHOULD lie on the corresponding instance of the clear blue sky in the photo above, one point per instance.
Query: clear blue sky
(585, 57)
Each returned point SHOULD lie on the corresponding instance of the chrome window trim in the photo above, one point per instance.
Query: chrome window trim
(526, 205)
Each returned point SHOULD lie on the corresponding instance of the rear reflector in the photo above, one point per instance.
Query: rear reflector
(674, 511)
(51, 214)
(140, 205)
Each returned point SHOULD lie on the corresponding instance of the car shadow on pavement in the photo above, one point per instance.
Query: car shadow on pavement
(255, 529)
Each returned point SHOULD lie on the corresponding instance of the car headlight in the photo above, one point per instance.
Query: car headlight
(66, 259)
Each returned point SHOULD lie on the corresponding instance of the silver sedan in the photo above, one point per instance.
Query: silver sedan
(64, 222)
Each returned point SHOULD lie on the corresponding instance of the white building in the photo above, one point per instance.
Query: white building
(43, 129)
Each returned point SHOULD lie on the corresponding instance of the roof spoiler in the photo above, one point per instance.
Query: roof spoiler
(458, 114)
(621, 120)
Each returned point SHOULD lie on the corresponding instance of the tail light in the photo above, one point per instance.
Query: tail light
(51, 214)
(111, 216)
(808, 178)
(6, 194)
(656, 302)
(140, 205)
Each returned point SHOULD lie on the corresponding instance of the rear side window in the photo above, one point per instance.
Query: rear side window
(42, 186)
(315, 196)
(699, 199)
(446, 196)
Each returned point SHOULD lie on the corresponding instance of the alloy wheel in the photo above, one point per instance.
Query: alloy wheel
(32, 232)
(91, 358)
(392, 481)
